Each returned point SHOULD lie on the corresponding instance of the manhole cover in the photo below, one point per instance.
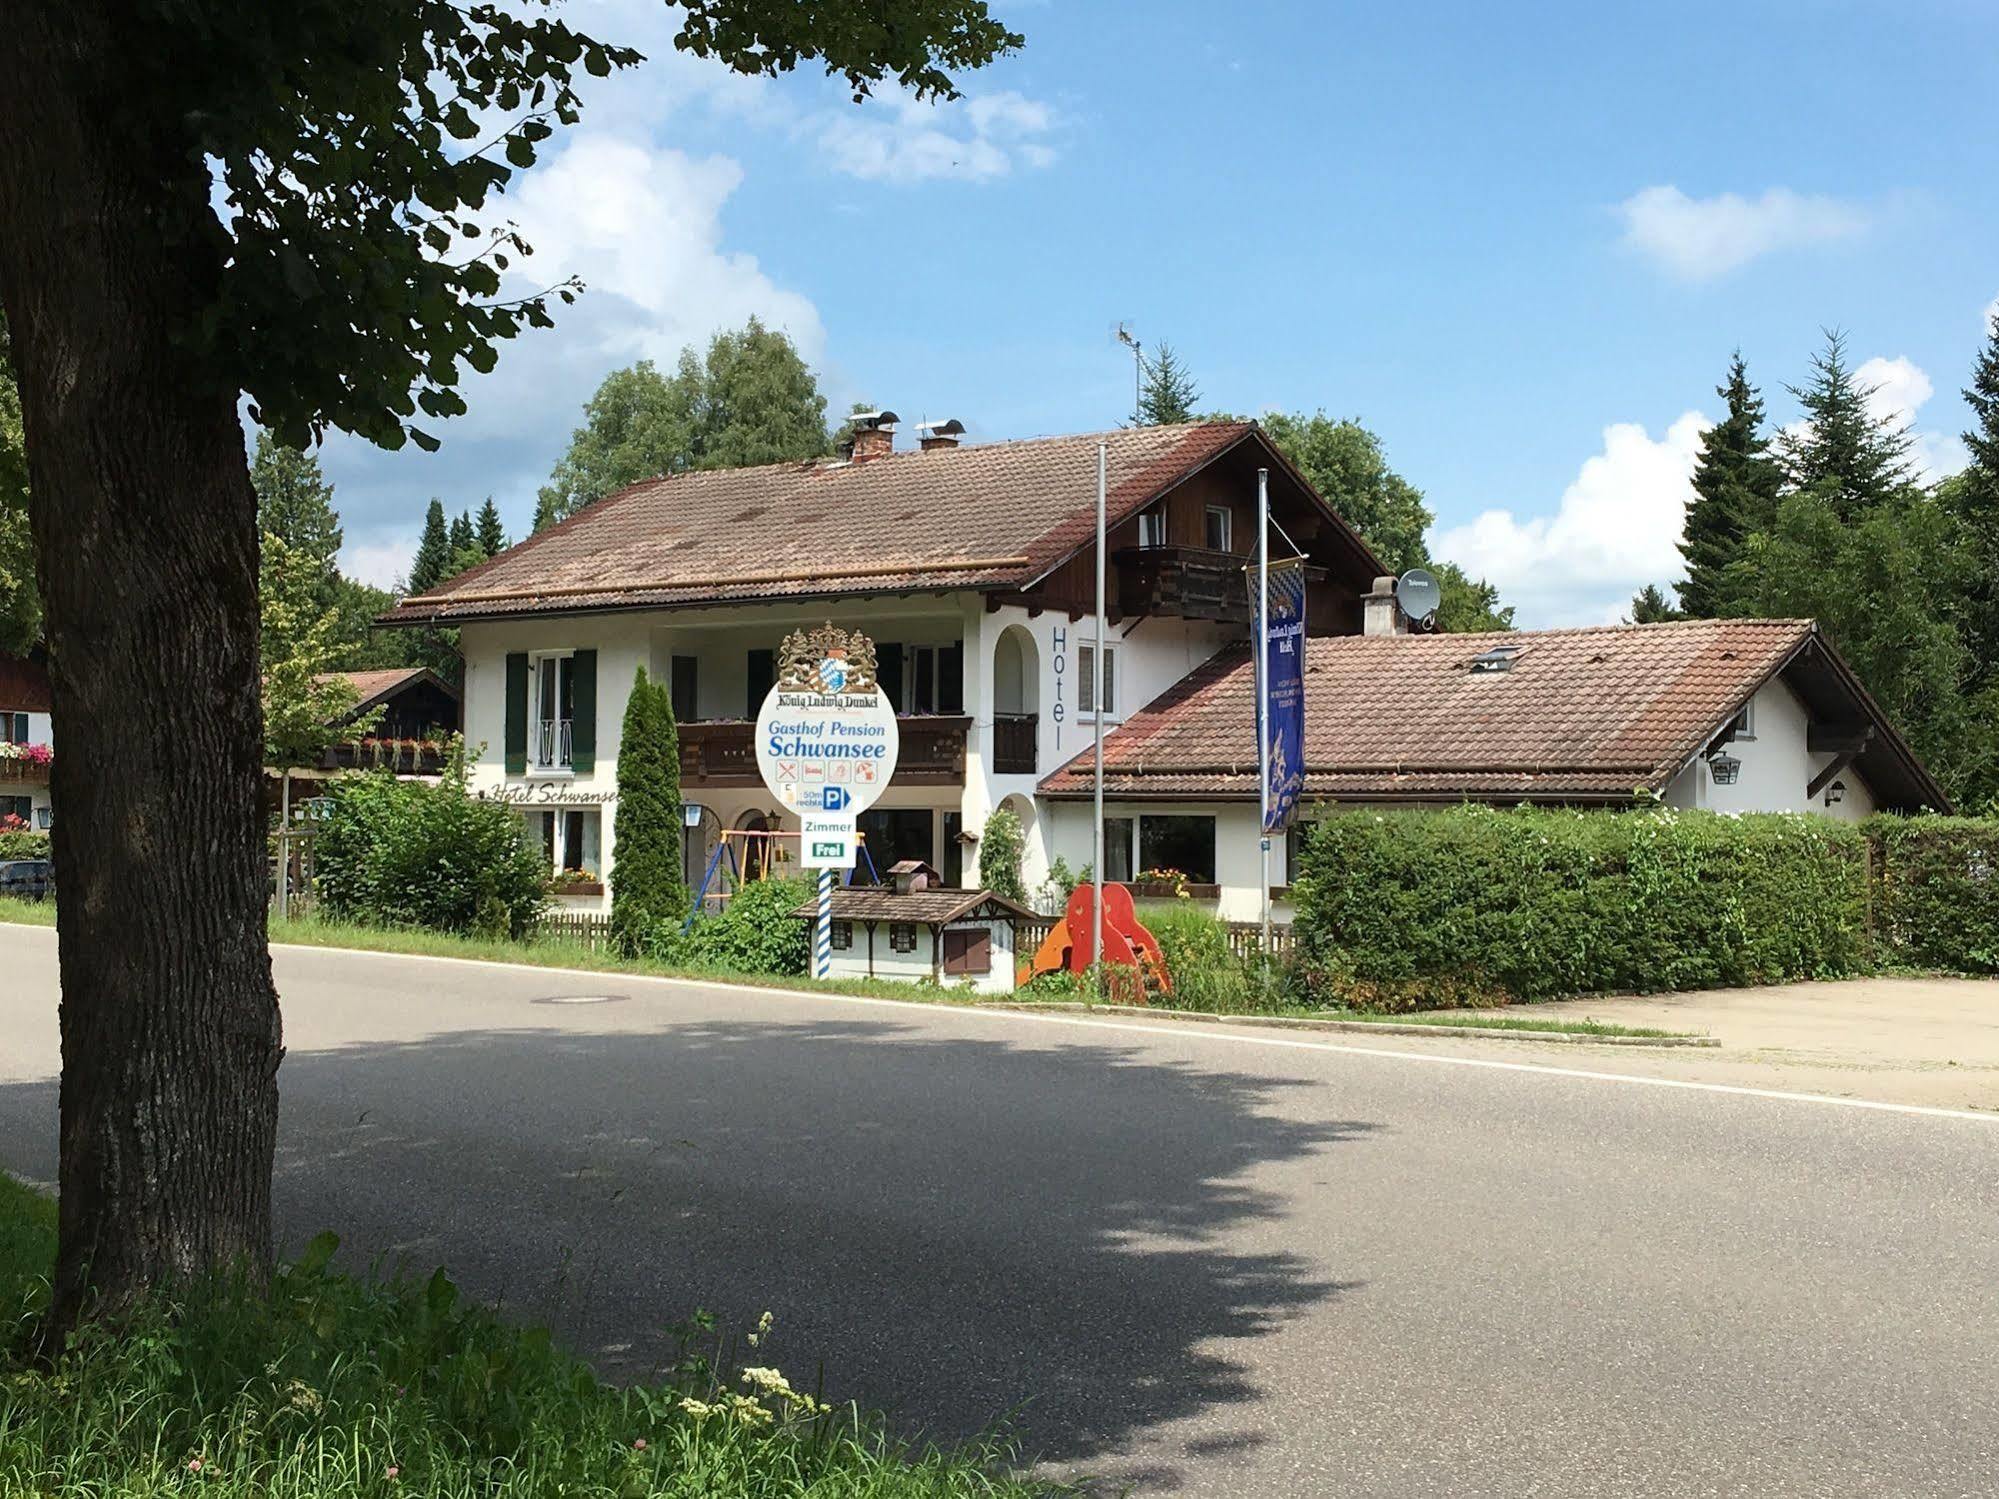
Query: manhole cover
(580, 999)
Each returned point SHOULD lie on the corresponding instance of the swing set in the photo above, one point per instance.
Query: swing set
(745, 855)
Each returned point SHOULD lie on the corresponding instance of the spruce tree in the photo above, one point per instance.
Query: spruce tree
(1973, 496)
(648, 887)
(1167, 392)
(492, 535)
(433, 552)
(295, 504)
(1735, 495)
(1850, 459)
(1650, 606)
(461, 536)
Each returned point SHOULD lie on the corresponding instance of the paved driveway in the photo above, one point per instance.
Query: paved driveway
(1207, 1262)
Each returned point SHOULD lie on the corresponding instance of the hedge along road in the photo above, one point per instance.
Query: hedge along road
(1209, 1262)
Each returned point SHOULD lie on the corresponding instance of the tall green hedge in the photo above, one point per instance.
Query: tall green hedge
(1936, 891)
(1428, 909)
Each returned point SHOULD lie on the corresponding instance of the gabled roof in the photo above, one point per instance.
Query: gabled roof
(1576, 716)
(993, 516)
(929, 907)
(372, 687)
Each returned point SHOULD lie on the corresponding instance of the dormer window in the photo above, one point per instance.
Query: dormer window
(1499, 658)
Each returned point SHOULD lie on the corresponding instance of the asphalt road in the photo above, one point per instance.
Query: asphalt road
(1195, 1261)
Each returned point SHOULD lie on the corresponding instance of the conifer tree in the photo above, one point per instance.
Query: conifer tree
(1167, 392)
(433, 552)
(1973, 496)
(648, 886)
(1849, 458)
(492, 535)
(461, 536)
(1650, 606)
(1735, 495)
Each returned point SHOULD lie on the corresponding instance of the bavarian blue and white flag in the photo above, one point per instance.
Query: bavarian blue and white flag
(1282, 710)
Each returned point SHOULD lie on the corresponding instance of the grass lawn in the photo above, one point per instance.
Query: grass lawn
(333, 1387)
(559, 952)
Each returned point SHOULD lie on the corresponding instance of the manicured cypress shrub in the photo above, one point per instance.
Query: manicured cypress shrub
(1936, 891)
(1433, 909)
(648, 886)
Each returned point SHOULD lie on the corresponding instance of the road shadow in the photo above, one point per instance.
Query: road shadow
(951, 1228)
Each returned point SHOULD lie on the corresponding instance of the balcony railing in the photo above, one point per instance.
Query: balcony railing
(1014, 743)
(552, 744)
(720, 752)
(1190, 582)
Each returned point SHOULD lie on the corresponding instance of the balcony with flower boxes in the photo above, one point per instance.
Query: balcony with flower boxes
(25, 764)
(722, 752)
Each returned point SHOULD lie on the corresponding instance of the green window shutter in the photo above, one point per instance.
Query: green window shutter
(517, 713)
(583, 712)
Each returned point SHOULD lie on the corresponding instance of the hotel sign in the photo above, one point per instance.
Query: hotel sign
(827, 740)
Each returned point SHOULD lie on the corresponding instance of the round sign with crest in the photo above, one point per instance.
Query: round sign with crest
(826, 739)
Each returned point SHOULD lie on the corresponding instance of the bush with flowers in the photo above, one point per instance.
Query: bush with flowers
(336, 1387)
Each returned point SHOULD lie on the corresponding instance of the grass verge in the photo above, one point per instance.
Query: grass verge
(337, 1387)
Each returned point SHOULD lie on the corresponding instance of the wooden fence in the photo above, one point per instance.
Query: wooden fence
(591, 928)
(1245, 937)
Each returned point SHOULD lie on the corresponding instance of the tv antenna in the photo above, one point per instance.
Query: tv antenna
(1121, 331)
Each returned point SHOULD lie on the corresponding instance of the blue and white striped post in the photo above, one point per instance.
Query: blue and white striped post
(822, 929)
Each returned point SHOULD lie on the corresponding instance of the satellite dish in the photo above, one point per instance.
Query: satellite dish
(1419, 594)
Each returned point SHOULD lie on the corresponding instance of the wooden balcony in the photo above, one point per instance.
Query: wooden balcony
(24, 772)
(719, 752)
(1014, 743)
(1189, 582)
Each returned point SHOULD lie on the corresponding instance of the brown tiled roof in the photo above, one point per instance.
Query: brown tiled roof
(1582, 715)
(370, 687)
(938, 907)
(989, 516)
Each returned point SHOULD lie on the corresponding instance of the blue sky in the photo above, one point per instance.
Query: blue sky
(1519, 243)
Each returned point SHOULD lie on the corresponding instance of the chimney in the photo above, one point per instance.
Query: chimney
(933, 435)
(874, 434)
(1380, 614)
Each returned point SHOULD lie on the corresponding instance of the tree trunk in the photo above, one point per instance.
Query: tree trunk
(146, 548)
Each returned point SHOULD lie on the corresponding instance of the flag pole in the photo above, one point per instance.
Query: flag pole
(1097, 727)
(1263, 700)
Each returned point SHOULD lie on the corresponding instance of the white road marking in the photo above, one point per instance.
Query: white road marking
(1157, 1028)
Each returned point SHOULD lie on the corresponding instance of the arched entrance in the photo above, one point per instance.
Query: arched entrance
(1016, 702)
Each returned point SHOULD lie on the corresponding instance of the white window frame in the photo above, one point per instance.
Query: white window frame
(1745, 722)
(549, 734)
(556, 838)
(1152, 527)
(1085, 684)
(1228, 527)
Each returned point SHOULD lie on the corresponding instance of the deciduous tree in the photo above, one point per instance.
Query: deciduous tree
(353, 273)
(1973, 496)
(1345, 463)
(20, 605)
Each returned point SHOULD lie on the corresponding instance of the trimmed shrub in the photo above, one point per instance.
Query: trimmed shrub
(1936, 891)
(1431, 910)
(648, 887)
(24, 846)
(1206, 973)
(1000, 849)
(402, 853)
(754, 933)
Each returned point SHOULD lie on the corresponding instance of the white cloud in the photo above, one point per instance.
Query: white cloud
(1616, 528)
(1899, 390)
(896, 136)
(381, 559)
(1991, 314)
(1696, 238)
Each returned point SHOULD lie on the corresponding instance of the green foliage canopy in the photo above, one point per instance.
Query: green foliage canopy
(1735, 495)
(20, 607)
(751, 399)
(1000, 849)
(406, 853)
(1166, 391)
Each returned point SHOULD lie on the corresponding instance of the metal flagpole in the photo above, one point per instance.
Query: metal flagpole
(1097, 723)
(1263, 698)
(822, 929)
